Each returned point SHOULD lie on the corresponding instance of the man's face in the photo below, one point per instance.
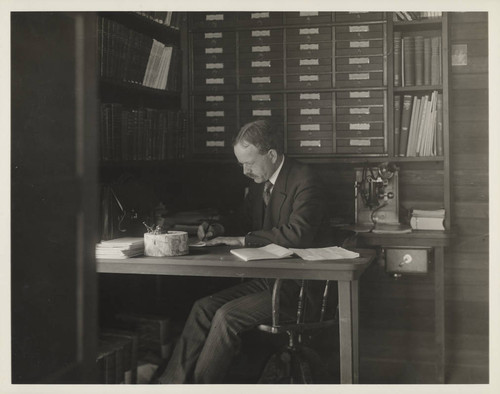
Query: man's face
(257, 166)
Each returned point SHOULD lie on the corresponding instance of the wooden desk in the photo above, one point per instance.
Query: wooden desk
(217, 261)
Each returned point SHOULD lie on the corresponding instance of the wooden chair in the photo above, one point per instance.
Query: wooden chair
(292, 364)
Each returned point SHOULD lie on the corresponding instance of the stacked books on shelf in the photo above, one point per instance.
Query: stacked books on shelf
(418, 125)
(417, 60)
(415, 16)
(120, 248)
(422, 219)
(140, 133)
(167, 18)
(131, 57)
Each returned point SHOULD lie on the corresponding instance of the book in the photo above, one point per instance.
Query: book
(405, 123)
(271, 251)
(434, 213)
(397, 123)
(439, 125)
(419, 60)
(436, 60)
(397, 58)
(328, 253)
(427, 61)
(427, 223)
(409, 61)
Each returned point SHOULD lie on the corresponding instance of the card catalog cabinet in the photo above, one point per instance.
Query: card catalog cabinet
(320, 77)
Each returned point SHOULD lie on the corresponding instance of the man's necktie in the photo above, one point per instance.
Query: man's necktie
(266, 195)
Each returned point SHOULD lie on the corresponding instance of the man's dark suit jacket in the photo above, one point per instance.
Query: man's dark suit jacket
(296, 216)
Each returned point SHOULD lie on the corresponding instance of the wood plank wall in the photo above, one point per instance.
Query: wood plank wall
(397, 321)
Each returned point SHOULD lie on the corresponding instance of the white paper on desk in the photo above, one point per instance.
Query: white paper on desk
(329, 253)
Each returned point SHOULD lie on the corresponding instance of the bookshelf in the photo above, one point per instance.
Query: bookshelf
(140, 87)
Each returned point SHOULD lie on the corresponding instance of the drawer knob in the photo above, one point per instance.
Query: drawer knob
(407, 259)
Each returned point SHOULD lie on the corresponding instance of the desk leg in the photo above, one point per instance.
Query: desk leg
(439, 312)
(348, 322)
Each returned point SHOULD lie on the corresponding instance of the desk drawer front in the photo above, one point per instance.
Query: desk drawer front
(405, 260)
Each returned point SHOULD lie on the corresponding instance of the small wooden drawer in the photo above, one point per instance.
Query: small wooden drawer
(310, 127)
(309, 100)
(301, 18)
(212, 19)
(261, 67)
(309, 34)
(260, 37)
(406, 260)
(367, 31)
(223, 39)
(358, 16)
(310, 146)
(309, 81)
(256, 19)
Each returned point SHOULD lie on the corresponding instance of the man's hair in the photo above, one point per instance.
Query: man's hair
(262, 135)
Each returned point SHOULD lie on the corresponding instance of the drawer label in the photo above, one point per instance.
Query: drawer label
(214, 81)
(215, 129)
(214, 17)
(357, 77)
(309, 47)
(259, 15)
(261, 97)
(214, 66)
(359, 111)
(309, 31)
(261, 112)
(309, 127)
(265, 48)
(309, 62)
(309, 96)
(359, 126)
(359, 60)
(359, 94)
(215, 144)
(261, 33)
(266, 63)
(359, 29)
(261, 79)
(359, 44)
(213, 114)
(307, 78)
(310, 143)
(309, 13)
(213, 50)
(359, 142)
(214, 98)
(213, 35)
(309, 111)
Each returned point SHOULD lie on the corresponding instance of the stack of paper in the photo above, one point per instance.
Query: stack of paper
(329, 253)
(120, 248)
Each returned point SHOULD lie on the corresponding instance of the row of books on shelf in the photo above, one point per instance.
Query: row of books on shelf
(422, 219)
(167, 18)
(418, 125)
(416, 15)
(140, 133)
(417, 60)
(132, 57)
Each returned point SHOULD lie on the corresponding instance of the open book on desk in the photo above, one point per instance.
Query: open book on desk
(273, 251)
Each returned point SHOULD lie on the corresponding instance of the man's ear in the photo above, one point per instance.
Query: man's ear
(273, 154)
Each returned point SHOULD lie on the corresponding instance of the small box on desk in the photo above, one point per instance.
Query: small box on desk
(153, 330)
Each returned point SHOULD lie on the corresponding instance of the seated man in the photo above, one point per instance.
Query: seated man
(286, 206)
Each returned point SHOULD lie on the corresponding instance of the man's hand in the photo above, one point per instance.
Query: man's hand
(208, 231)
(232, 241)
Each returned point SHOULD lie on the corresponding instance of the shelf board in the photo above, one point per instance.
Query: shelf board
(420, 88)
(138, 88)
(132, 20)
(420, 24)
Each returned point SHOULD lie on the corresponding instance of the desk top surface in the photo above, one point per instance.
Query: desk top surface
(218, 261)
